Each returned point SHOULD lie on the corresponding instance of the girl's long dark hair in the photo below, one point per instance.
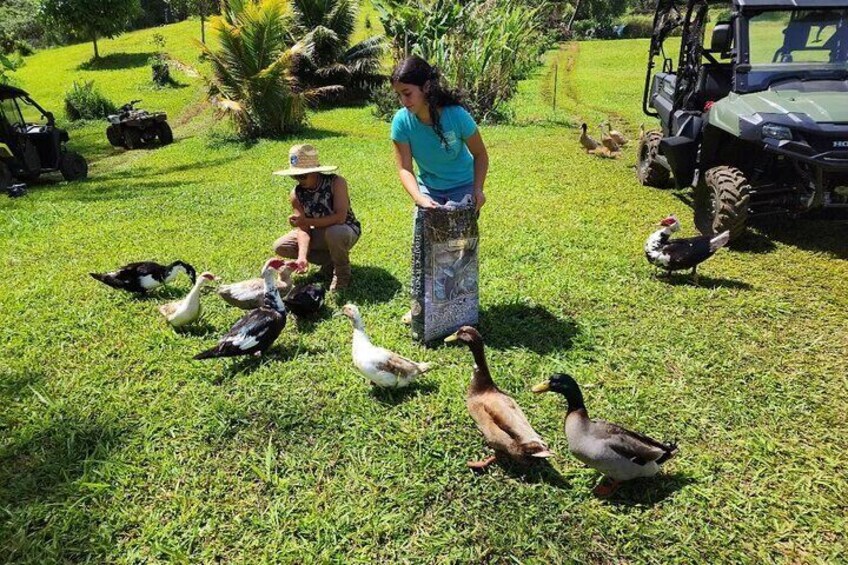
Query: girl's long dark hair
(417, 71)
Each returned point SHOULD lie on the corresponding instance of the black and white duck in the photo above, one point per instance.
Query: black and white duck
(248, 294)
(617, 453)
(682, 253)
(145, 276)
(501, 421)
(257, 330)
(305, 300)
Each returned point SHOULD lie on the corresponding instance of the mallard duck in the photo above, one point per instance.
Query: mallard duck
(305, 300)
(608, 141)
(617, 453)
(248, 294)
(382, 367)
(682, 253)
(617, 136)
(504, 426)
(586, 140)
(257, 330)
(187, 310)
(144, 276)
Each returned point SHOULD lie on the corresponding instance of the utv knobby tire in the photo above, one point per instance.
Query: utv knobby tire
(721, 202)
(113, 134)
(73, 166)
(649, 171)
(5, 177)
(166, 136)
(132, 138)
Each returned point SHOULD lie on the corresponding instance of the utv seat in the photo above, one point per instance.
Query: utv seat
(714, 81)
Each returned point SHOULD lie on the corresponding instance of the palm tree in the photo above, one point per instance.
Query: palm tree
(344, 72)
(252, 79)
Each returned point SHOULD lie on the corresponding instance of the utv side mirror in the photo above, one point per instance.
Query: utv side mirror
(722, 39)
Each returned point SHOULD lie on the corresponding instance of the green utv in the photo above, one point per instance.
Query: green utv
(757, 119)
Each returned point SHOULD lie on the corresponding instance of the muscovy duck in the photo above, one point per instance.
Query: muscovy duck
(501, 421)
(684, 253)
(257, 330)
(144, 276)
(248, 294)
(305, 300)
(382, 367)
(617, 453)
(187, 310)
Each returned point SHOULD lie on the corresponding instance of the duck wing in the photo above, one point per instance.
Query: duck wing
(306, 300)
(400, 366)
(245, 294)
(504, 425)
(255, 331)
(685, 253)
(636, 447)
(168, 310)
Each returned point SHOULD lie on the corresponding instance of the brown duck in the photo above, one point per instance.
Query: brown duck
(501, 421)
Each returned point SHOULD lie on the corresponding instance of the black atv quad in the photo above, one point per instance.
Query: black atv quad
(133, 129)
(28, 149)
(756, 118)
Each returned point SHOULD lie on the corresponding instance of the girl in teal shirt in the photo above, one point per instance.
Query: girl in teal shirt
(438, 133)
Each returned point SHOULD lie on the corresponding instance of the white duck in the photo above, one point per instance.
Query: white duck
(187, 310)
(248, 294)
(382, 367)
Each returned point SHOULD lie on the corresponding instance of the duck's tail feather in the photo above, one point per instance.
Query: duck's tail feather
(424, 367)
(719, 241)
(670, 451)
(208, 354)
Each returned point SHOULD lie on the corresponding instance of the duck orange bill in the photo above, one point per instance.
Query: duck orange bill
(451, 337)
(541, 387)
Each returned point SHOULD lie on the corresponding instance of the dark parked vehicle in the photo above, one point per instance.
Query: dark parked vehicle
(30, 149)
(132, 128)
(756, 120)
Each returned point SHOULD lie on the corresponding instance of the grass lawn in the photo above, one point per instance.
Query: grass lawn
(115, 446)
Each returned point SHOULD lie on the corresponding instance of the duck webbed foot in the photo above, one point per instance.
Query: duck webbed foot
(481, 465)
(695, 275)
(606, 487)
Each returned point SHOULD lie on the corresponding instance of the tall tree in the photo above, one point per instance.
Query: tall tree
(91, 19)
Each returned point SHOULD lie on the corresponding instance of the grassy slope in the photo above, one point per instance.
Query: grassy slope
(117, 447)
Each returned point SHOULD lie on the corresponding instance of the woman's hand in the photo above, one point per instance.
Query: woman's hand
(425, 202)
(479, 199)
(299, 221)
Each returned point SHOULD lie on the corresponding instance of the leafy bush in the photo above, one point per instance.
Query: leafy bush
(19, 26)
(481, 48)
(159, 62)
(252, 79)
(637, 26)
(385, 102)
(85, 102)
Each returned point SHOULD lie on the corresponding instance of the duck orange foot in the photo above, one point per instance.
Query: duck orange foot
(481, 465)
(606, 487)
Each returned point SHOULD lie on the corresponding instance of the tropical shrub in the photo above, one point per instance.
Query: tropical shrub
(344, 73)
(85, 102)
(252, 80)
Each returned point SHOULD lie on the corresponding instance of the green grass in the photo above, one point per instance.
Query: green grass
(116, 447)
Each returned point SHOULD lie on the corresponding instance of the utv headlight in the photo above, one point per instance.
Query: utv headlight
(777, 132)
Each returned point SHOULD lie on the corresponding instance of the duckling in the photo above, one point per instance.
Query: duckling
(187, 310)
(381, 366)
(617, 453)
(139, 278)
(682, 253)
(248, 294)
(257, 330)
(608, 141)
(504, 426)
(306, 300)
(586, 140)
(617, 136)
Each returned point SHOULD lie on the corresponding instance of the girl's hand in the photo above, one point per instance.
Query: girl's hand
(301, 265)
(479, 199)
(425, 202)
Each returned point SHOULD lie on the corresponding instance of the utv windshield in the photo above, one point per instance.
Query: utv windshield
(816, 39)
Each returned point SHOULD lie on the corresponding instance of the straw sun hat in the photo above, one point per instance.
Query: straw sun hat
(304, 160)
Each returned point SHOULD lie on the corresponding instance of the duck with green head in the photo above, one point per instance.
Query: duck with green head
(501, 421)
(617, 453)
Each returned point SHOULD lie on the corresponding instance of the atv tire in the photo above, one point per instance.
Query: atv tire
(73, 166)
(132, 138)
(5, 177)
(649, 171)
(163, 131)
(721, 202)
(113, 134)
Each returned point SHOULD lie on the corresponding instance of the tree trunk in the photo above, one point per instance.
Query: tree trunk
(574, 15)
(94, 39)
(202, 28)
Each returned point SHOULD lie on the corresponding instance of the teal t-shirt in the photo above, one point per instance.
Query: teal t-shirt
(440, 168)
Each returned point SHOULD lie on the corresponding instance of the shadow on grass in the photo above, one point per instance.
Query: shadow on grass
(246, 364)
(394, 396)
(218, 140)
(825, 231)
(532, 327)
(168, 293)
(308, 324)
(650, 491)
(712, 283)
(201, 328)
(115, 61)
(371, 285)
(540, 472)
